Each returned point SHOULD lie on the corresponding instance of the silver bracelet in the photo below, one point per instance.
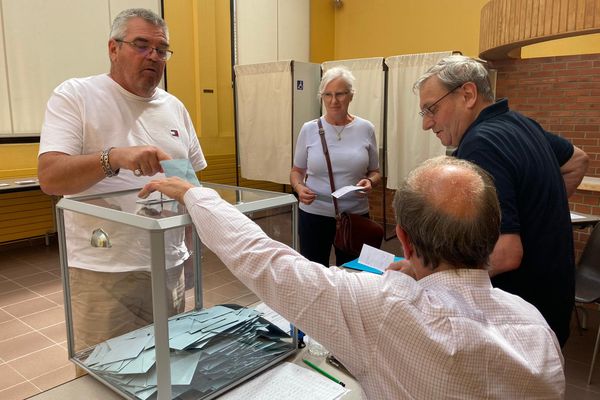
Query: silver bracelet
(105, 163)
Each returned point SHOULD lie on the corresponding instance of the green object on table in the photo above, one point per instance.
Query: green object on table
(326, 374)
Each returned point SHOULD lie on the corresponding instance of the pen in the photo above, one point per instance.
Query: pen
(319, 370)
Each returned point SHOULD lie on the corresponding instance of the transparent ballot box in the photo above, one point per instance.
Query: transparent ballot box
(132, 276)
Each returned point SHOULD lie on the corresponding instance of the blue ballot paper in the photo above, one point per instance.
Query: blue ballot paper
(181, 168)
(354, 264)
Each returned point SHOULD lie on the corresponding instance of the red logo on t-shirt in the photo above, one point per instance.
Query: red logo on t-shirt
(174, 132)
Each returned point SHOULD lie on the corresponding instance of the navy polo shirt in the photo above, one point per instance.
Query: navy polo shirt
(524, 161)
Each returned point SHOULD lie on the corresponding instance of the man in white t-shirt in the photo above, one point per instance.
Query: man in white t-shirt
(108, 133)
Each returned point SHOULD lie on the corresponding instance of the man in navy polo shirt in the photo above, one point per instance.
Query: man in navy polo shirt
(534, 171)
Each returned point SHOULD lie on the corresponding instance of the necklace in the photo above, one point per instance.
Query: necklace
(348, 119)
(338, 134)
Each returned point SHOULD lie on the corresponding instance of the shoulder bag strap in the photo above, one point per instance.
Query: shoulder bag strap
(329, 169)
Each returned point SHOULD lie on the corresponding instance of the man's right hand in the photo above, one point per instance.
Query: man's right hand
(143, 160)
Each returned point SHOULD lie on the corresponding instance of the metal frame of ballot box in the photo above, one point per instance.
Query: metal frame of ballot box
(156, 218)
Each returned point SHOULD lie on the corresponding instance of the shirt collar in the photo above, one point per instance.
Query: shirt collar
(457, 277)
(491, 111)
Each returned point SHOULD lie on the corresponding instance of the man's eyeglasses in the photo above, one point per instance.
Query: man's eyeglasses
(429, 110)
(145, 49)
(339, 96)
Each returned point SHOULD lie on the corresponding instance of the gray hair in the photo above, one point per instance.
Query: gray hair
(455, 70)
(335, 73)
(119, 25)
(449, 216)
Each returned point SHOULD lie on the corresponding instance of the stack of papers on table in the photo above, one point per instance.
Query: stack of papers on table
(287, 381)
(210, 349)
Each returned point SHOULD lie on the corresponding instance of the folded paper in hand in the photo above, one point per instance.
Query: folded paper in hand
(372, 260)
(181, 168)
(345, 190)
(375, 258)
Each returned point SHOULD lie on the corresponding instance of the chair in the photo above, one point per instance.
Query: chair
(587, 282)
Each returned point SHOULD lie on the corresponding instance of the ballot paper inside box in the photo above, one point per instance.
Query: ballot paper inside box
(209, 350)
(196, 354)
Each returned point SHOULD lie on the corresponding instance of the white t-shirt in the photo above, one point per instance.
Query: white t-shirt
(351, 157)
(88, 115)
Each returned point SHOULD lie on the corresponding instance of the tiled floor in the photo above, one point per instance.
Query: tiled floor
(33, 355)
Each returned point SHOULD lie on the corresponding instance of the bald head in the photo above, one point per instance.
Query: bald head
(451, 189)
(450, 212)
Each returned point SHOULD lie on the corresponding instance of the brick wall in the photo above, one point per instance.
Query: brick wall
(563, 95)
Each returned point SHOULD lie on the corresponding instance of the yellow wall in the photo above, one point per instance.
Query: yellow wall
(183, 66)
(18, 160)
(381, 28)
(587, 44)
(200, 71)
(322, 31)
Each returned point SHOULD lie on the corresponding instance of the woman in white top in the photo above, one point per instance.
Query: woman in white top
(354, 158)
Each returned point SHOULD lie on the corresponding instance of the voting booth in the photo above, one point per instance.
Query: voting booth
(198, 353)
(273, 101)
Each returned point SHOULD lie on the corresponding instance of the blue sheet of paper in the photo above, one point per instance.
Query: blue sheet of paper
(354, 264)
(181, 168)
(222, 343)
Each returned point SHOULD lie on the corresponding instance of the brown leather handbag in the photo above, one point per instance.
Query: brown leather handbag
(352, 230)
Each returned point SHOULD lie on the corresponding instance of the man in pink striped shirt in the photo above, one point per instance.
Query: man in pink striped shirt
(439, 331)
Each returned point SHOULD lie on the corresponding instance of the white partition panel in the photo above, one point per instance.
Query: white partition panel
(256, 31)
(46, 43)
(264, 118)
(116, 6)
(368, 101)
(5, 120)
(407, 143)
(293, 30)
(273, 101)
(272, 30)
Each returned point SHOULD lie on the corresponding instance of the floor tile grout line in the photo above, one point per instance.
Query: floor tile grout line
(16, 337)
(33, 330)
(37, 312)
(34, 352)
(38, 271)
(56, 305)
(36, 330)
(44, 374)
(17, 372)
(16, 283)
(13, 279)
(50, 300)
(20, 383)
